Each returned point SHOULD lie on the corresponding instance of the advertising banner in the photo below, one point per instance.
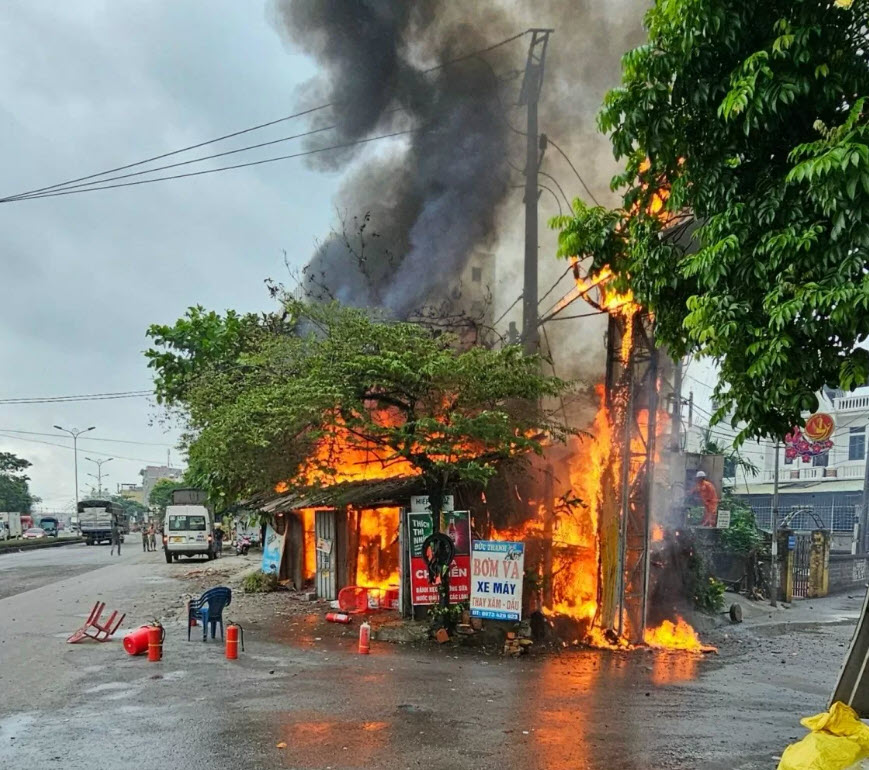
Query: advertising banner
(457, 526)
(273, 551)
(497, 569)
(420, 526)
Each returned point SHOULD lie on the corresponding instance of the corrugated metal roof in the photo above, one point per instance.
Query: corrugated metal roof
(357, 493)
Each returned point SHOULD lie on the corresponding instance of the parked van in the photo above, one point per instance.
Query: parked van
(188, 530)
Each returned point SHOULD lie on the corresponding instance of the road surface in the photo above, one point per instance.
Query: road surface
(91, 706)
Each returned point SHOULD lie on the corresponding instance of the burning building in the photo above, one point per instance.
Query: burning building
(425, 205)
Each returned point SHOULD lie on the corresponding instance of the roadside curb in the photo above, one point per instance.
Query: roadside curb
(36, 546)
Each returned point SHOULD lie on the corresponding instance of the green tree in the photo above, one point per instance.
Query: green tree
(748, 119)
(336, 382)
(14, 489)
(161, 494)
(132, 508)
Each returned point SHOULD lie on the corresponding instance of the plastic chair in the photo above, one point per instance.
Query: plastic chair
(101, 632)
(208, 609)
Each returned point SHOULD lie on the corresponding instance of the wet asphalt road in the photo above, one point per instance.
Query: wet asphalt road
(92, 706)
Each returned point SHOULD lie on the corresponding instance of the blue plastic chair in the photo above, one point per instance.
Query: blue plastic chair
(208, 609)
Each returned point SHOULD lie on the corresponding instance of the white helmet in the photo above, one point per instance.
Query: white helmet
(701, 475)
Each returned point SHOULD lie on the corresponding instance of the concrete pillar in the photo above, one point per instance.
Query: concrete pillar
(819, 564)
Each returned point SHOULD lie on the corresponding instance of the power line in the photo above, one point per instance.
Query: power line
(169, 154)
(180, 163)
(83, 438)
(92, 451)
(56, 187)
(501, 317)
(570, 163)
(563, 194)
(215, 170)
(557, 281)
(88, 397)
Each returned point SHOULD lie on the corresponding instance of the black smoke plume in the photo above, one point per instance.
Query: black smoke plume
(433, 198)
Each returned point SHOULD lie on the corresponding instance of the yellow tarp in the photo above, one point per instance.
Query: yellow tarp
(838, 740)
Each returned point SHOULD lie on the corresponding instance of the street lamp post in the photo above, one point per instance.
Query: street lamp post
(75, 434)
(99, 476)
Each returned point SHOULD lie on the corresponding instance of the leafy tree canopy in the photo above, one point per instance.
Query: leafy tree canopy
(14, 490)
(332, 390)
(745, 121)
(131, 507)
(161, 493)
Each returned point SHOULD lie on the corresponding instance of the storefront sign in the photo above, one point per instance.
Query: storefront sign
(455, 524)
(273, 551)
(422, 504)
(497, 570)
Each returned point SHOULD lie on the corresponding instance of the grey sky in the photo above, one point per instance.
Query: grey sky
(91, 84)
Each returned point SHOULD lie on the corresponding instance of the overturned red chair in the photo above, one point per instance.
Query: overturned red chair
(93, 629)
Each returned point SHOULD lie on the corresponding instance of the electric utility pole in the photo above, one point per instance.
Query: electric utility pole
(99, 473)
(529, 95)
(774, 572)
(75, 434)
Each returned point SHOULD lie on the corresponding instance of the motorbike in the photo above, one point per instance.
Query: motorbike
(242, 546)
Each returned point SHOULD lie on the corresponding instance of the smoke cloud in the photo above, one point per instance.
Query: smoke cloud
(452, 185)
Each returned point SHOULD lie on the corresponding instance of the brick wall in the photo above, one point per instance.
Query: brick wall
(847, 571)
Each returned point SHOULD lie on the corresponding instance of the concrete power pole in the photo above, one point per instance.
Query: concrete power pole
(529, 96)
(774, 548)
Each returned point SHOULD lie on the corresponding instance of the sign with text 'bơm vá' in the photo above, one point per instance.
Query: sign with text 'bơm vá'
(497, 570)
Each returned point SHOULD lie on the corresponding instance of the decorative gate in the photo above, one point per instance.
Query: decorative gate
(801, 565)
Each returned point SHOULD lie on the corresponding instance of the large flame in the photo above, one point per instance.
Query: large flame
(675, 636)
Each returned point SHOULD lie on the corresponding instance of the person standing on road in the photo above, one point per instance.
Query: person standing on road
(218, 539)
(152, 538)
(116, 537)
(145, 539)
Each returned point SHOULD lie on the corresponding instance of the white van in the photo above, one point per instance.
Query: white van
(188, 530)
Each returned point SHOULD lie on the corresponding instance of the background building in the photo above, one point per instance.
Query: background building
(151, 474)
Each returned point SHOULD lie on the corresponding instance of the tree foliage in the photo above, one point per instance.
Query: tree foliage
(131, 507)
(747, 120)
(14, 489)
(161, 494)
(331, 383)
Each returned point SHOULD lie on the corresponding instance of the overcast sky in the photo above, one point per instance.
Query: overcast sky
(92, 84)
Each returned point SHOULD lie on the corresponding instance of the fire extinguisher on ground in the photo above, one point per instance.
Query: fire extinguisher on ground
(364, 638)
(156, 636)
(233, 632)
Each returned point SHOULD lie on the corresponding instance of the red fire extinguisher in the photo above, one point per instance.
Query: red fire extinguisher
(338, 617)
(364, 638)
(233, 631)
(156, 635)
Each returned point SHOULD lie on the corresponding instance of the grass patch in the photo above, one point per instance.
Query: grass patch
(260, 583)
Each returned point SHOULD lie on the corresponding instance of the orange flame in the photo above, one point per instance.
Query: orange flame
(675, 636)
(377, 551)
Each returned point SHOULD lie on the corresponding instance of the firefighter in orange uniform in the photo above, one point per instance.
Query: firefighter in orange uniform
(705, 490)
